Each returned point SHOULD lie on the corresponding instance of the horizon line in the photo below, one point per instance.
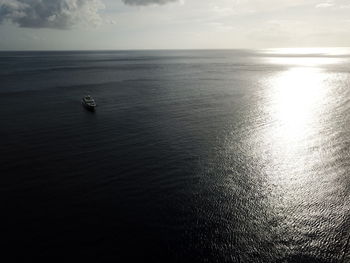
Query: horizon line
(169, 49)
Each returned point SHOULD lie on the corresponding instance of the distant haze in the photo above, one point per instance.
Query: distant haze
(172, 24)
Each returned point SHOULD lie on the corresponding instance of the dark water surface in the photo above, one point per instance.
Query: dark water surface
(191, 156)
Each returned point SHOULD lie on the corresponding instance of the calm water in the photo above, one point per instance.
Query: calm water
(200, 156)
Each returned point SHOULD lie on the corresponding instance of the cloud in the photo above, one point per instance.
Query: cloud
(325, 5)
(59, 14)
(147, 2)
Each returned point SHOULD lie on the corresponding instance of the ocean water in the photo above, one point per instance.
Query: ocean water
(191, 156)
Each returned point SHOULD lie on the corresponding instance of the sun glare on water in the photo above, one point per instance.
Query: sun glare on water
(296, 96)
(306, 57)
(297, 101)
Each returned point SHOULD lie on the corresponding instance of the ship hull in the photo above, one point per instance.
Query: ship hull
(88, 107)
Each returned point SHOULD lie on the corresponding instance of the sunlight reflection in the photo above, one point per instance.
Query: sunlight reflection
(304, 61)
(336, 51)
(296, 97)
(298, 137)
(306, 57)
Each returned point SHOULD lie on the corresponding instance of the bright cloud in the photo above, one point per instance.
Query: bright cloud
(325, 5)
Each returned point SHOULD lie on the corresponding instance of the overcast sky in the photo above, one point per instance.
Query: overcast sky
(172, 24)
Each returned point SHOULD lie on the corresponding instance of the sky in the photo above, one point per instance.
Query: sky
(172, 24)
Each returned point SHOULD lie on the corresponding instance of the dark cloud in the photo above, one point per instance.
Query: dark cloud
(60, 14)
(147, 2)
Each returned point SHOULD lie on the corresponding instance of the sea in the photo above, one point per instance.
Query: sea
(190, 156)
